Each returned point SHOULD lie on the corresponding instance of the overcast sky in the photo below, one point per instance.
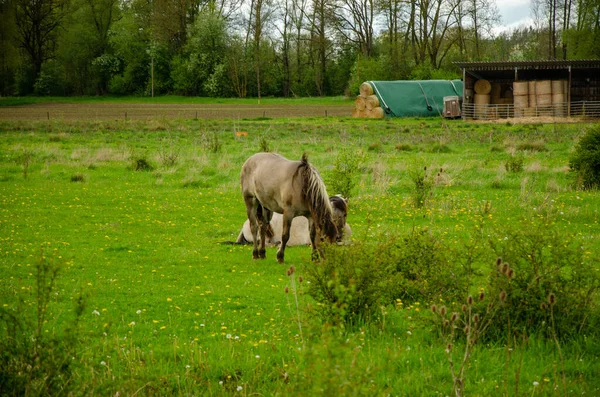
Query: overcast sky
(514, 13)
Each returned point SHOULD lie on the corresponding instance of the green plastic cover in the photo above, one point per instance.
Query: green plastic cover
(412, 98)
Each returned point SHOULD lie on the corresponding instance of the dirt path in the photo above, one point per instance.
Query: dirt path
(105, 111)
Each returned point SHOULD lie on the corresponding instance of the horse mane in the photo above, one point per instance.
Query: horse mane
(315, 194)
(339, 203)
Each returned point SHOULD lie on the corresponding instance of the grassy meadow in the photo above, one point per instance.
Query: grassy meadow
(115, 279)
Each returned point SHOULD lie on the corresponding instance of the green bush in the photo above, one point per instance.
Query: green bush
(585, 162)
(545, 260)
(141, 164)
(33, 362)
(514, 164)
(424, 269)
(353, 282)
(343, 178)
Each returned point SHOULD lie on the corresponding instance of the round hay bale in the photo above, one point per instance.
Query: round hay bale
(531, 87)
(558, 87)
(376, 113)
(371, 102)
(558, 98)
(543, 99)
(483, 87)
(482, 99)
(359, 114)
(520, 88)
(482, 102)
(532, 100)
(521, 101)
(366, 89)
(360, 102)
(543, 87)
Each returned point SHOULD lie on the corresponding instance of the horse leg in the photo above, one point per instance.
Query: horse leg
(314, 242)
(264, 219)
(285, 235)
(252, 212)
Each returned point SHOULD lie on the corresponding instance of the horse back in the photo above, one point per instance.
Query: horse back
(273, 180)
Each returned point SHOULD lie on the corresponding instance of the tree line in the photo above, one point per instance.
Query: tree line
(254, 48)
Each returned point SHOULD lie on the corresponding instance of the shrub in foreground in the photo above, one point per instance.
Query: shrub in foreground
(353, 282)
(32, 362)
(546, 261)
(585, 162)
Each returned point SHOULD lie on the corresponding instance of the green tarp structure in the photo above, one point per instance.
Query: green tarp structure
(410, 98)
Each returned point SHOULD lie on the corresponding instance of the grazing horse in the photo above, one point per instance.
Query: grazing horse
(272, 183)
(299, 231)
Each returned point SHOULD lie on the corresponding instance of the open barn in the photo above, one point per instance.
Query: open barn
(513, 89)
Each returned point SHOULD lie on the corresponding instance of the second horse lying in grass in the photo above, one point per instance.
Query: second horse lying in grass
(299, 232)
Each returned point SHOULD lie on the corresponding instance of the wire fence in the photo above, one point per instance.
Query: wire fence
(505, 111)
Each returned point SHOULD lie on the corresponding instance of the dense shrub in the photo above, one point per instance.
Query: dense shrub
(351, 283)
(354, 281)
(425, 270)
(585, 162)
(545, 260)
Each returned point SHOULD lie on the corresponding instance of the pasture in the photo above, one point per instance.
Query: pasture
(148, 301)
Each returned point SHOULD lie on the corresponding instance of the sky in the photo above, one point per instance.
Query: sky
(514, 13)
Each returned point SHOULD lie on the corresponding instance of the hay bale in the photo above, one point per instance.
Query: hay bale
(371, 102)
(366, 89)
(376, 113)
(483, 87)
(360, 102)
(359, 114)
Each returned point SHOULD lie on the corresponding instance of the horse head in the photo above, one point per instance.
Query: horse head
(339, 212)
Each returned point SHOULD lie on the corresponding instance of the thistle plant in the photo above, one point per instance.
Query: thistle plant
(424, 182)
(472, 324)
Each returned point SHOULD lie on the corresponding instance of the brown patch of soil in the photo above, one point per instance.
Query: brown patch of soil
(105, 111)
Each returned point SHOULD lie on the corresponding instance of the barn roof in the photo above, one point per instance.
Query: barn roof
(530, 65)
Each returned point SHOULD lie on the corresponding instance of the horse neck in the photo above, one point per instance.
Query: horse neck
(317, 199)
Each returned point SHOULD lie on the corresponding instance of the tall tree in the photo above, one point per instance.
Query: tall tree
(391, 10)
(8, 51)
(38, 22)
(320, 21)
(483, 16)
(355, 22)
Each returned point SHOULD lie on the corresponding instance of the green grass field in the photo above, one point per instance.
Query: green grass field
(167, 309)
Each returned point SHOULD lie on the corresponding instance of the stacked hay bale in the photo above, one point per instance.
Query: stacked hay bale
(483, 88)
(367, 103)
(543, 97)
(559, 97)
(520, 97)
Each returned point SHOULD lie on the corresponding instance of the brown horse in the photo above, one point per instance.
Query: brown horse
(271, 183)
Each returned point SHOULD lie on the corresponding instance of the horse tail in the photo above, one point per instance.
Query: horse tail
(315, 194)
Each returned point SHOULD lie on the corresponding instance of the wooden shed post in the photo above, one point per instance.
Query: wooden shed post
(569, 94)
